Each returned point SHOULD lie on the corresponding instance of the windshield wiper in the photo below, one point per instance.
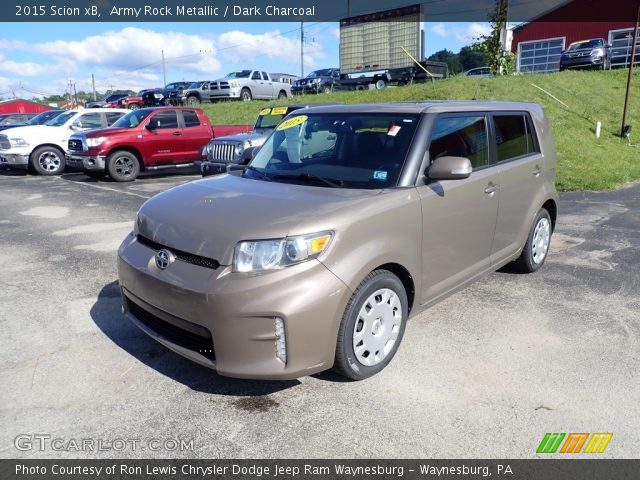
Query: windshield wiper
(332, 182)
(261, 174)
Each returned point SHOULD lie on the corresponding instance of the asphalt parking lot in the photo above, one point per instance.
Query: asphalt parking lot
(484, 374)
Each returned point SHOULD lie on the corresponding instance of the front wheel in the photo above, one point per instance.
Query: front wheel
(282, 94)
(134, 106)
(535, 250)
(48, 160)
(193, 101)
(372, 326)
(123, 166)
(245, 95)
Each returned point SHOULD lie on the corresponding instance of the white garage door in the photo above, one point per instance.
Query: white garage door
(620, 41)
(540, 56)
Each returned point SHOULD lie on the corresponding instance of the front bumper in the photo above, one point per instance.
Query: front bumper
(233, 92)
(578, 62)
(14, 160)
(226, 320)
(87, 162)
(314, 88)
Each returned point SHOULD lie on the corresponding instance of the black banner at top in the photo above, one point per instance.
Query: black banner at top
(307, 10)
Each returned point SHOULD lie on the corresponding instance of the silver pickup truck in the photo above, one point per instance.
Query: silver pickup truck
(245, 85)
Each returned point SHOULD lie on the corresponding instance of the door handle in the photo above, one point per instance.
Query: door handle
(536, 171)
(491, 189)
(177, 134)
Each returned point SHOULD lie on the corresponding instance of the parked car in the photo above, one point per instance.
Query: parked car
(318, 81)
(113, 98)
(148, 139)
(247, 85)
(42, 147)
(348, 220)
(160, 96)
(593, 53)
(132, 102)
(196, 93)
(221, 152)
(11, 119)
(39, 119)
(483, 72)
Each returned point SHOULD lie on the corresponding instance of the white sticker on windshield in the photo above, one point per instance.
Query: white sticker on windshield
(393, 130)
(380, 175)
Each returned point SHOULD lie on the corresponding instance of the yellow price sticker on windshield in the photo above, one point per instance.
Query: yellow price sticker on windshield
(265, 111)
(292, 122)
(279, 111)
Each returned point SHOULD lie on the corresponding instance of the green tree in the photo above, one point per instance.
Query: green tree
(499, 60)
(451, 59)
(472, 56)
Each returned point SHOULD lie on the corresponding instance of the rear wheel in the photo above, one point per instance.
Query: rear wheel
(372, 326)
(123, 166)
(245, 95)
(381, 84)
(48, 160)
(535, 250)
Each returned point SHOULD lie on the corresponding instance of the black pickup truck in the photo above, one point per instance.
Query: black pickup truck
(158, 97)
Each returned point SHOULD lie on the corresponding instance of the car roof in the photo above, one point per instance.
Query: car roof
(431, 106)
(155, 109)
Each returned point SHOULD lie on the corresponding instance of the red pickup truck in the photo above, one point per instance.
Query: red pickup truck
(148, 139)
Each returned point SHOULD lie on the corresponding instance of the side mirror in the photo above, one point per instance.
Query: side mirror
(75, 126)
(449, 168)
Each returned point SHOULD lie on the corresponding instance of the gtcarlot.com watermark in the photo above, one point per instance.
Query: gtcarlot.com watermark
(36, 442)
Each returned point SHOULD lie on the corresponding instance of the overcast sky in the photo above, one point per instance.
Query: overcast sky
(41, 57)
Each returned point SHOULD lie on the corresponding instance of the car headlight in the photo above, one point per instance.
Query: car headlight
(262, 255)
(239, 150)
(18, 142)
(234, 84)
(95, 141)
(158, 95)
(317, 80)
(597, 52)
(204, 151)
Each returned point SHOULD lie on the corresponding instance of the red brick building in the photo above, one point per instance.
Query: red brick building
(538, 43)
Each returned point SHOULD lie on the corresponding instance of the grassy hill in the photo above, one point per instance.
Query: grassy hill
(585, 162)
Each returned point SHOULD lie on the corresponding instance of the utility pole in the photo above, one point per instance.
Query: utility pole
(93, 84)
(301, 49)
(634, 41)
(164, 68)
(75, 94)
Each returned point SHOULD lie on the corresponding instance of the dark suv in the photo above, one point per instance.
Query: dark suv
(163, 96)
(318, 81)
(594, 53)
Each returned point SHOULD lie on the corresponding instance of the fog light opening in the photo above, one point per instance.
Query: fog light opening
(281, 342)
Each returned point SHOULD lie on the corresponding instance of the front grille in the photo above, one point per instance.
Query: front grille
(180, 255)
(197, 339)
(223, 151)
(75, 144)
(4, 142)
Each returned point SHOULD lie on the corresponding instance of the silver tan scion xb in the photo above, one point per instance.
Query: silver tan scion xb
(348, 220)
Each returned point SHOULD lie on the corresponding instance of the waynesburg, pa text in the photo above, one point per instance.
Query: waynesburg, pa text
(342, 470)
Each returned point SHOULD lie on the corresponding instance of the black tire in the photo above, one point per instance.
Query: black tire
(347, 363)
(326, 90)
(123, 166)
(48, 160)
(282, 94)
(245, 95)
(527, 261)
(134, 106)
(192, 100)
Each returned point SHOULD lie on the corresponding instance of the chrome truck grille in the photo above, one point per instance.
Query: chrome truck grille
(224, 152)
(75, 144)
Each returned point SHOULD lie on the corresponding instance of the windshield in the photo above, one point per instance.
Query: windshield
(239, 74)
(349, 150)
(270, 117)
(172, 86)
(132, 119)
(585, 44)
(60, 119)
(196, 85)
(42, 117)
(320, 73)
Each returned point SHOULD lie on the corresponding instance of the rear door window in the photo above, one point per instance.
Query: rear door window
(461, 136)
(113, 117)
(514, 136)
(168, 119)
(89, 120)
(190, 118)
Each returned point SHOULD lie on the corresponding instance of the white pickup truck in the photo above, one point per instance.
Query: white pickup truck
(247, 85)
(43, 147)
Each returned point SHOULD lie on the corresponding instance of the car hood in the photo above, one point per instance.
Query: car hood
(209, 217)
(40, 133)
(255, 137)
(104, 132)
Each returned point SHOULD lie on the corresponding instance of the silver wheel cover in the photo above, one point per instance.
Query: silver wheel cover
(49, 161)
(540, 241)
(377, 327)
